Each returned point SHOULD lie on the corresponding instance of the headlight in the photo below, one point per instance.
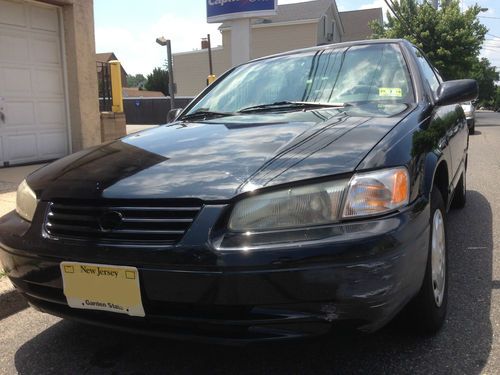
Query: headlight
(295, 207)
(25, 201)
(370, 193)
(377, 192)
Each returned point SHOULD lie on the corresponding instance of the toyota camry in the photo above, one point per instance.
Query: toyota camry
(297, 193)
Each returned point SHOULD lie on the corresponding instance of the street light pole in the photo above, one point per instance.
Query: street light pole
(162, 41)
(210, 55)
(170, 75)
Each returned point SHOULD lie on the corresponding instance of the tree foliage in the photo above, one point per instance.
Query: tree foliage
(450, 38)
(485, 75)
(158, 81)
(496, 99)
(137, 80)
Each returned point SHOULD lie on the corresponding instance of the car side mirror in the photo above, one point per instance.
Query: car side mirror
(173, 113)
(460, 90)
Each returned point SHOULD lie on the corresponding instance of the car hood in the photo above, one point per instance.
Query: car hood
(220, 158)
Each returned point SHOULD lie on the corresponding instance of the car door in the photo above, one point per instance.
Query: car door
(460, 136)
(446, 119)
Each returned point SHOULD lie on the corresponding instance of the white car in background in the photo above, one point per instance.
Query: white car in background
(470, 114)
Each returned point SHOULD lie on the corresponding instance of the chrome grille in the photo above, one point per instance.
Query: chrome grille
(139, 221)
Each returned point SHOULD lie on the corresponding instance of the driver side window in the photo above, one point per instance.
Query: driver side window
(428, 71)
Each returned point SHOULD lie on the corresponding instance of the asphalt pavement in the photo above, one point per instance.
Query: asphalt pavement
(36, 343)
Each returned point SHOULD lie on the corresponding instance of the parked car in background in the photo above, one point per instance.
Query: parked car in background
(297, 193)
(470, 115)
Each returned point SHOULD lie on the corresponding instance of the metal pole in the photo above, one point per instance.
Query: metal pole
(210, 55)
(170, 75)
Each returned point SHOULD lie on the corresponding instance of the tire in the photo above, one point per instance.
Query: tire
(460, 195)
(472, 129)
(428, 308)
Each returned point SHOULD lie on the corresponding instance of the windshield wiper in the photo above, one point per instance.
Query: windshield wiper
(204, 114)
(292, 104)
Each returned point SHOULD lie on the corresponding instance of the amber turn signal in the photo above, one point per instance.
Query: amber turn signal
(377, 192)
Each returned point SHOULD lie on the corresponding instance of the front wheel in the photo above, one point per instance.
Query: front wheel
(428, 308)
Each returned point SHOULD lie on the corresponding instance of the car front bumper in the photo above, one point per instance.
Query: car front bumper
(360, 278)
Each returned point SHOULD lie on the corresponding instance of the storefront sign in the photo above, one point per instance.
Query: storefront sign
(223, 10)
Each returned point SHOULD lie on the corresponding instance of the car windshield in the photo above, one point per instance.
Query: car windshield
(355, 74)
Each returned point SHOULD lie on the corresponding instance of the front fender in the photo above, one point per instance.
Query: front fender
(431, 163)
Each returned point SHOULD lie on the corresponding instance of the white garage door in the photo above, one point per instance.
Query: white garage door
(33, 122)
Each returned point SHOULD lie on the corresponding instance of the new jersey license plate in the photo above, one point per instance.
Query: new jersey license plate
(102, 287)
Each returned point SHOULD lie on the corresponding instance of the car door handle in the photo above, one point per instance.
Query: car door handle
(2, 117)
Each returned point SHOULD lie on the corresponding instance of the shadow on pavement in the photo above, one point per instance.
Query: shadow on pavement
(10, 303)
(463, 346)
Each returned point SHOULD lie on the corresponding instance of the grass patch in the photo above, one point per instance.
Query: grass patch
(2, 273)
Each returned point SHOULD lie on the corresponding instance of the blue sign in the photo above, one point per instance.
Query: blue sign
(222, 10)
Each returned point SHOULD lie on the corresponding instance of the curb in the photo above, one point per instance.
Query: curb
(5, 286)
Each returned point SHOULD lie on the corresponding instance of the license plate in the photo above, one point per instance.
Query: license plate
(102, 287)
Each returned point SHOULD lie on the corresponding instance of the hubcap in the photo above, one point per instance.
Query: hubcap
(438, 257)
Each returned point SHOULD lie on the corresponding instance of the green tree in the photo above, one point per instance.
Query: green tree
(450, 38)
(137, 80)
(158, 81)
(485, 75)
(496, 99)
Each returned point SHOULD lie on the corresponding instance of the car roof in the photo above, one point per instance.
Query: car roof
(336, 45)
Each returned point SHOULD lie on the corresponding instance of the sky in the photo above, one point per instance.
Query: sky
(129, 28)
